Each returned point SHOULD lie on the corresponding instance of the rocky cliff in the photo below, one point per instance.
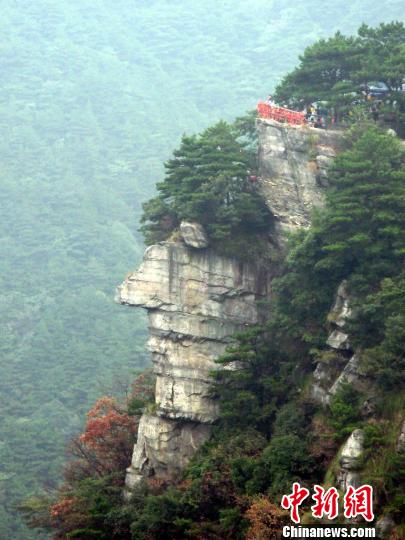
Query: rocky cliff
(196, 299)
(293, 166)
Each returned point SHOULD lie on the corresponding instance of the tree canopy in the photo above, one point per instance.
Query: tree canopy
(209, 180)
(335, 69)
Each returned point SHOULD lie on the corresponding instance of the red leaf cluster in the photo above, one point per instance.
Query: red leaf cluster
(266, 518)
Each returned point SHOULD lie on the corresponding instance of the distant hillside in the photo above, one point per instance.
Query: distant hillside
(94, 96)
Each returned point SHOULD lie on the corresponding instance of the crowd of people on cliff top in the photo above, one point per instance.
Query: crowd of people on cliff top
(320, 115)
(315, 114)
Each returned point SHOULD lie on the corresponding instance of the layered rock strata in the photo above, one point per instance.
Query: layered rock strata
(344, 365)
(196, 300)
(294, 163)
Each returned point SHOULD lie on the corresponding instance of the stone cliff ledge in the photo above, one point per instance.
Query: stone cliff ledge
(196, 300)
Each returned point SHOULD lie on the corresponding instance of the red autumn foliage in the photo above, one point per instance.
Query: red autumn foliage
(105, 446)
(266, 518)
(66, 516)
(143, 387)
(95, 474)
(62, 507)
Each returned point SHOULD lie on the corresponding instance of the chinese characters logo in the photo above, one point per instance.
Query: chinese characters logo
(356, 502)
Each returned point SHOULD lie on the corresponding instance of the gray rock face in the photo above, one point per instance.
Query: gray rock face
(349, 460)
(351, 374)
(400, 447)
(196, 300)
(324, 378)
(328, 377)
(158, 438)
(338, 340)
(340, 311)
(337, 317)
(384, 527)
(193, 234)
(293, 169)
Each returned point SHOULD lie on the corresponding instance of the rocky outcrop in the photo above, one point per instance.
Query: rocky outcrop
(343, 366)
(400, 446)
(350, 460)
(196, 300)
(324, 377)
(293, 169)
(330, 374)
(337, 317)
(193, 234)
(164, 447)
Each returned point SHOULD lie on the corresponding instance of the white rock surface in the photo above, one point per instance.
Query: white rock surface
(351, 374)
(340, 311)
(196, 300)
(324, 378)
(400, 447)
(193, 234)
(337, 317)
(293, 169)
(164, 447)
(338, 340)
(349, 460)
(329, 377)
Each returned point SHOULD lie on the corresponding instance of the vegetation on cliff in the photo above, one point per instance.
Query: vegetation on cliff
(209, 180)
(271, 433)
(335, 70)
(94, 97)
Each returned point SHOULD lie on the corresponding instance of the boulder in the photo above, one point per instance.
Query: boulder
(349, 461)
(193, 234)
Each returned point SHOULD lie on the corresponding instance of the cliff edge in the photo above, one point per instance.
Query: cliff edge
(197, 299)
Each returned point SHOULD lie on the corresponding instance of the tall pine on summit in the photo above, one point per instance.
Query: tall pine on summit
(207, 181)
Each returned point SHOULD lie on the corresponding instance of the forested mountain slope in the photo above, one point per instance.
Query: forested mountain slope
(93, 96)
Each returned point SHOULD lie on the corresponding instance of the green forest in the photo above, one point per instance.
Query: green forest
(94, 97)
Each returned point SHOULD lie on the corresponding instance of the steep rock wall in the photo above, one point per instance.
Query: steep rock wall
(197, 299)
(293, 169)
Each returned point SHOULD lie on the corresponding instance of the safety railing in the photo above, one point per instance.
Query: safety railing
(281, 114)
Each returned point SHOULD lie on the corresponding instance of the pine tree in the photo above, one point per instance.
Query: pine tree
(207, 181)
(359, 236)
(336, 69)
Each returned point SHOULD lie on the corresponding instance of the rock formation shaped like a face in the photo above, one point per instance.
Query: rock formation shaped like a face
(351, 453)
(196, 300)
